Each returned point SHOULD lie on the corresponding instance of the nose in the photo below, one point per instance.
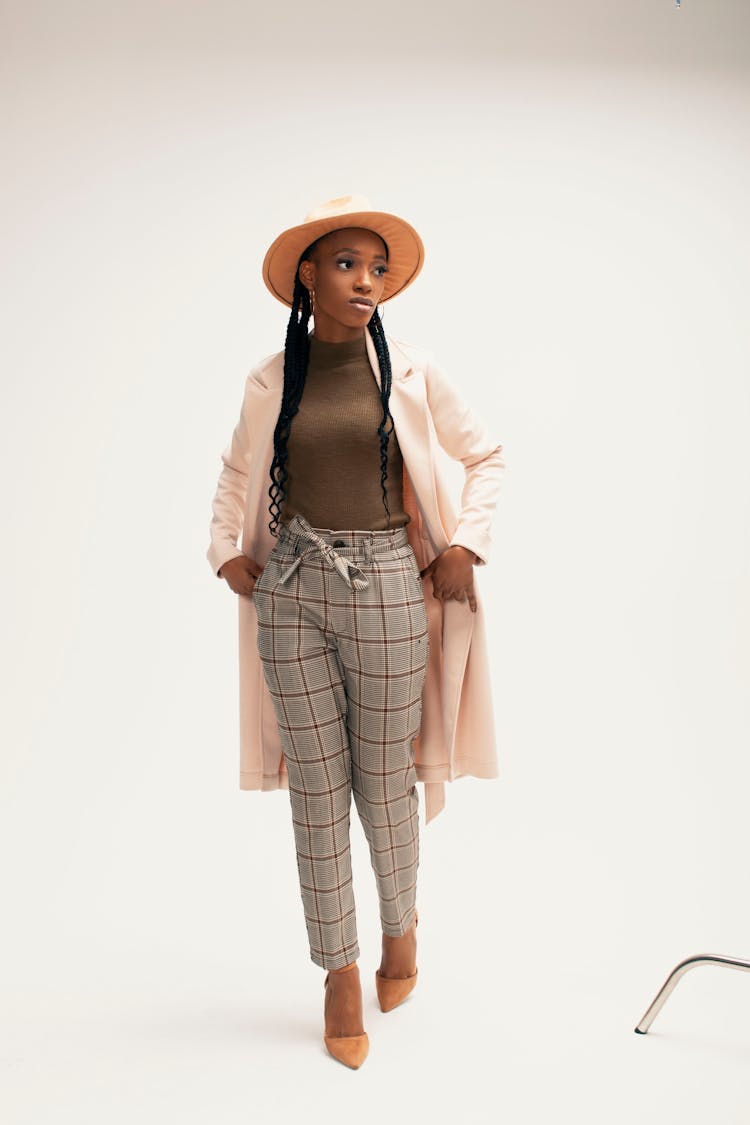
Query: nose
(363, 281)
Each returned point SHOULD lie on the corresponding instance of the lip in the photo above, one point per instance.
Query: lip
(361, 302)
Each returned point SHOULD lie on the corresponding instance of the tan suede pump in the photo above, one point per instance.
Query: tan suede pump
(392, 991)
(351, 1050)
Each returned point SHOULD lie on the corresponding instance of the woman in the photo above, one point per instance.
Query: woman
(342, 621)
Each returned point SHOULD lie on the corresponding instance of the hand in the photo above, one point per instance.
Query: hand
(241, 574)
(452, 574)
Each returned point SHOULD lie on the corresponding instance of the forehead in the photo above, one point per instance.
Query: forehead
(358, 239)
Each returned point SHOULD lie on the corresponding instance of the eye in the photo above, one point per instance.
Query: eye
(348, 261)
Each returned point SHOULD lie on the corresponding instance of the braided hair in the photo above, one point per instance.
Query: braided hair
(296, 355)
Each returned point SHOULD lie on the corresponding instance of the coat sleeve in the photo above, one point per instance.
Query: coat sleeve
(464, 436)
(228, 505)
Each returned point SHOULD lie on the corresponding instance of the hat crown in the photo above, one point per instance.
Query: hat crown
(344, 205)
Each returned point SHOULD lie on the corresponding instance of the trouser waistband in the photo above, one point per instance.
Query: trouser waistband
(299, 537)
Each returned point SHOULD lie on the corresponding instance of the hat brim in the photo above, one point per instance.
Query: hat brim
(405, 251)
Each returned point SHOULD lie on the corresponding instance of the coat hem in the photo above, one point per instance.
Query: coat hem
(476, 767)
(465, 767)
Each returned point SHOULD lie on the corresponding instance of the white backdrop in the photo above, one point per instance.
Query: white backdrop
(579, 173)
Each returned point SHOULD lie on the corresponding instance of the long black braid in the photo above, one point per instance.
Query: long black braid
(296, 356)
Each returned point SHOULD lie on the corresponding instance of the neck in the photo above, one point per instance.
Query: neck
(330, 336)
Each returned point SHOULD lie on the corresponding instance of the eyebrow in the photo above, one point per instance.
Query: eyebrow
(353, 251)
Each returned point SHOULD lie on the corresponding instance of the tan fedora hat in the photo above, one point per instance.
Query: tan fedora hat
(405, 248)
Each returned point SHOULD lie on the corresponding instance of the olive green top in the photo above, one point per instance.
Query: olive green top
(334, 445)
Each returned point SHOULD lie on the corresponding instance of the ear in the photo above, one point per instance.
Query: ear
(307, 274)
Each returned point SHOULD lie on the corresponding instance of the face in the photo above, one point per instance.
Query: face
(346, 265)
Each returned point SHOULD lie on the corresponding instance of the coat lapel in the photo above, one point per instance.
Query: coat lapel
(408, 407)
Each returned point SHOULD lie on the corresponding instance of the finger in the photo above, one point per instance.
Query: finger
(467, 595)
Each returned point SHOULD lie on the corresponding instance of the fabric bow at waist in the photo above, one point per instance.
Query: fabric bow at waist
(348, 570)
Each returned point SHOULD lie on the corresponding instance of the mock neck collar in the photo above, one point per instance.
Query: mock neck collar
(339, 352)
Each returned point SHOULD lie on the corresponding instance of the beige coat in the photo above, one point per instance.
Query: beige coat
(457, 734)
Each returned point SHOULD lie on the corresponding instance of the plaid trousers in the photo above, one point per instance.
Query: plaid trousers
(343, 640)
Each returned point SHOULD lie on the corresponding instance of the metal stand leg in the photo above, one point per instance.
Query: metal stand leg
(679, 971)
